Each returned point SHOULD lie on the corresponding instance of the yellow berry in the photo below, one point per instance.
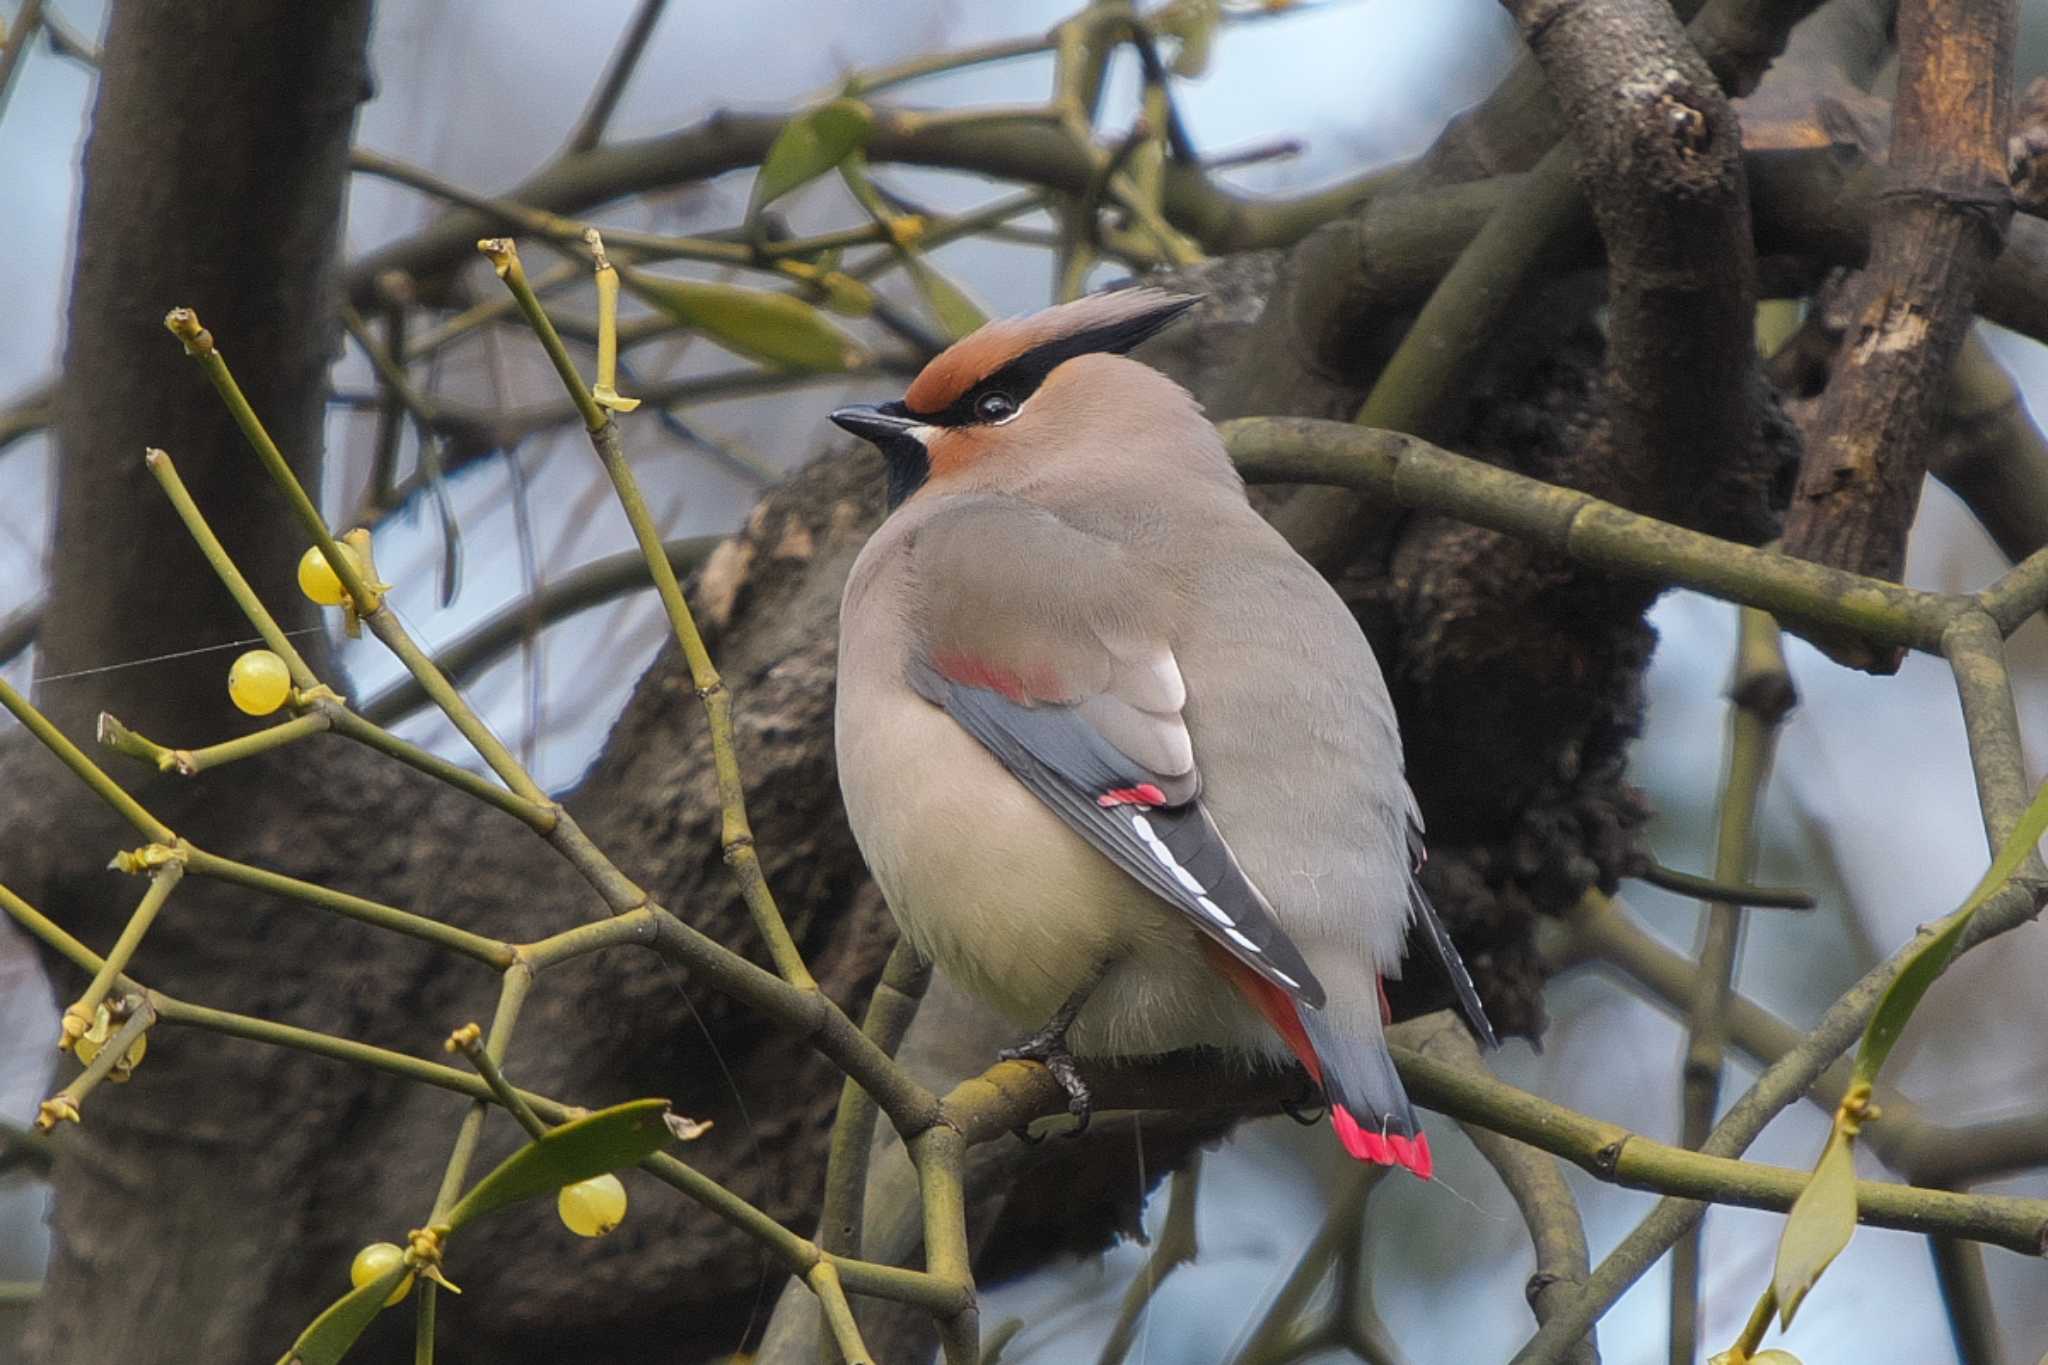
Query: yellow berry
(373, 1263)
(593, 1207)
(318, 580)
(259, 682)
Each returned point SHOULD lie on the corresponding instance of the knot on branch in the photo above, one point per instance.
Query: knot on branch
(1688, 127)
(1543, 1281)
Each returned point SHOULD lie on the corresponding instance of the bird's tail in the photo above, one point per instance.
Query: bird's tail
(1368, 1107)
(1344, 1048)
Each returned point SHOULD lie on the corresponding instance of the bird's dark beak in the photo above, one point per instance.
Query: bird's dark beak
(877, 424)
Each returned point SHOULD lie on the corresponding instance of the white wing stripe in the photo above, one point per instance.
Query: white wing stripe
(1158, 849)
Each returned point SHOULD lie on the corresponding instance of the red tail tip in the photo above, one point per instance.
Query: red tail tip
(1389, 1150)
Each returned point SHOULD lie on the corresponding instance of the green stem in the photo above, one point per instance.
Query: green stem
(824, 1282)
(891, 1009)
(217, 555)
(191, 762)
(184, 324)
(1731, 893)
(84, 768)
(64, 1105)
(1761, 694)
(78, 1016)
(539, 816)
(423, 1323)
(737, 835)
(494, 1076)
(486, 950)
(1416, 474)
(940, 1156)
(511, 996)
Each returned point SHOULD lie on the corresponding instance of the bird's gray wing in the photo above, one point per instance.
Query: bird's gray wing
(1046, 644)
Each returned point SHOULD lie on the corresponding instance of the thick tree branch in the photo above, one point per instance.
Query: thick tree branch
(1939, 225)
(1657, 152)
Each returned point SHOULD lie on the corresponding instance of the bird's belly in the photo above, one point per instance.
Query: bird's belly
(995, 889)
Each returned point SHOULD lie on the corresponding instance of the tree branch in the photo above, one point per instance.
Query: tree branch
(1935, 231)
(1538, 1188)
(591, 585)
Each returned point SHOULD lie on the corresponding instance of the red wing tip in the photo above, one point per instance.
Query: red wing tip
(1391, 1149)
(1144, 794)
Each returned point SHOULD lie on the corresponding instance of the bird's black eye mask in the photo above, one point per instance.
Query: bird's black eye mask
(996, 397)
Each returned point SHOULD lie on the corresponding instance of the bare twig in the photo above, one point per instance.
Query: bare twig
(1761, 695)
(1538, 1187)
(597, 116)
(1175, 1248)
(591, 585)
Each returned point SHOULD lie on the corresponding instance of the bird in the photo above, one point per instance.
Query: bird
(1120, 760)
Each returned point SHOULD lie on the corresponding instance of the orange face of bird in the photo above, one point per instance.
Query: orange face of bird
(954, 412)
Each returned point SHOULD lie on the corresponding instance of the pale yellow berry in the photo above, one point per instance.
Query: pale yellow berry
(373, 1263)
(593, 1207)
(318, 580)
(259, 682)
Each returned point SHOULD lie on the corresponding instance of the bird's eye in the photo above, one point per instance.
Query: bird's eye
(995, 406)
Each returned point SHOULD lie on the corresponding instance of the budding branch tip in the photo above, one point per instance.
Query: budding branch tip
(184, 325)
(504, 256)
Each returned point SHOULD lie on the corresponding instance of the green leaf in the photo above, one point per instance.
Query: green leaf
(1821, 1222)
(775, 329)
(327, 1340)
(623, 1135)
(1931, 958)
(956, 313)
(809, 145)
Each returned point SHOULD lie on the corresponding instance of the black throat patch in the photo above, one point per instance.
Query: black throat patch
(906, 462)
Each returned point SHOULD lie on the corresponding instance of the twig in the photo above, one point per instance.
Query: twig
(1730, 893)
(28, 20)
(1657, 153)
(1989, 451)
(1761, 695)
(597, 116)
(1417, 474)
(737, 836)
(1537, 1185)
(590, 585)
(1175, 1248)
(1966, 1294)
(891, 1010)
(1279, 1328)
(1780, 1085)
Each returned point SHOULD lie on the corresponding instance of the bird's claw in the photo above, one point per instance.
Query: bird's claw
(1048, 1047)
(1307, 1109)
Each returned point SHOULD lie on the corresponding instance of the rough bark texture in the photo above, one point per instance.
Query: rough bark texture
(1940, 224)
(1657, 152)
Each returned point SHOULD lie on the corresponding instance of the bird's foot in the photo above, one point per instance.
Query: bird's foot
(1048, 1047)
(1307, 1108)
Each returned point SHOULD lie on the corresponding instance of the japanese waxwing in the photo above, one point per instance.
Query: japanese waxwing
(1121, 761)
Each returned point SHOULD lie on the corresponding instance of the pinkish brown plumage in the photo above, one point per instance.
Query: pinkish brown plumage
(1118, 757)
